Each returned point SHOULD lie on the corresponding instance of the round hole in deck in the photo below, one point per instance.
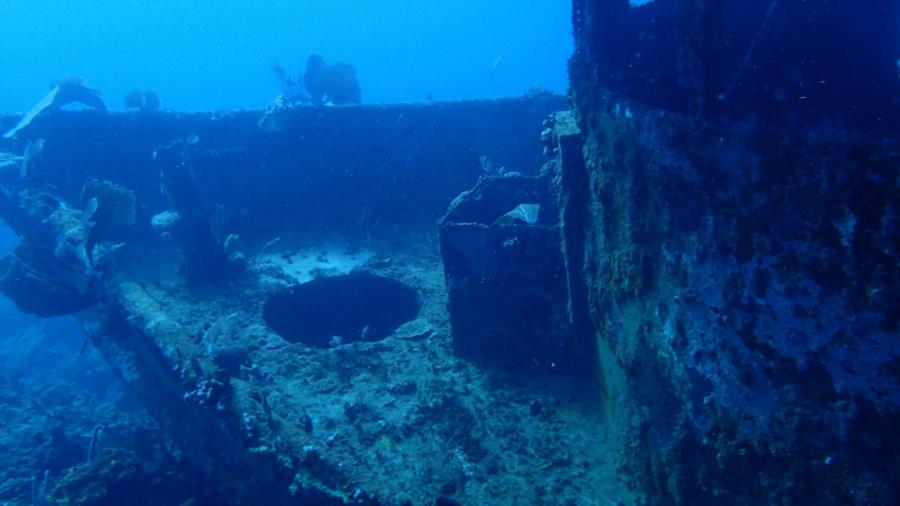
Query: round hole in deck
(354, 307)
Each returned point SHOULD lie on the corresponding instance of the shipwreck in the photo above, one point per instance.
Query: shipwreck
(677, 285)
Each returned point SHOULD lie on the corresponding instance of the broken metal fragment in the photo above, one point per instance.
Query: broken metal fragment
(65, 91)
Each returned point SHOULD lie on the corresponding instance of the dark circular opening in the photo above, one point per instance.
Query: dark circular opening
(341, 309)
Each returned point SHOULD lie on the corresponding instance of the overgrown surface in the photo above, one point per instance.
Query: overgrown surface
(744, 291)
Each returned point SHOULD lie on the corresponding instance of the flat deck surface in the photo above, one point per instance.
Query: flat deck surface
(401, 418)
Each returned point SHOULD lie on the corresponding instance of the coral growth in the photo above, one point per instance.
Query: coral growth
(322, 83)
(336, 82)
(142, 100)
(291, 87)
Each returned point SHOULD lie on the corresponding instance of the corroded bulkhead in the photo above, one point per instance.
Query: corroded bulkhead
(742, 245)
(513, 257)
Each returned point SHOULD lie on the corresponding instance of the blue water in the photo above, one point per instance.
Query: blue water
(206, 55)
(218, 55)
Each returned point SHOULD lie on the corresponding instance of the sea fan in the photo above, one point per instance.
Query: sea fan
(337, 82)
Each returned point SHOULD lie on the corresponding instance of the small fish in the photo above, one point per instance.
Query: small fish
(496, 64)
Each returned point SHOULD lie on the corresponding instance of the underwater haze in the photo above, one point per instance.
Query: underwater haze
(206, 55)
(450, 253)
